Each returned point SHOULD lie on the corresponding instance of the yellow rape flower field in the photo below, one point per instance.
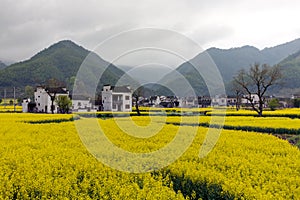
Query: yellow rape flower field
(42, 156)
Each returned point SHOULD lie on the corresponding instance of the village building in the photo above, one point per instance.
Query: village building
(189, 102)
(28, 106)
(254, 98)
(117, 98)
(81, 103)
(168, 101)
(43, 98)
(232, 101)
(219, 100)
(154, 101)
(204, 101)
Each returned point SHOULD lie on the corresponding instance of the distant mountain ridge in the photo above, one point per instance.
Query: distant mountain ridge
(234, 59)
(60, 61)
(63, 59)
(2, 65)
(291, 74)
(230, 61)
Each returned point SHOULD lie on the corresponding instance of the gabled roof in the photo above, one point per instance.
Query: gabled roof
(124, 89)
(80, 97)
(57, 90)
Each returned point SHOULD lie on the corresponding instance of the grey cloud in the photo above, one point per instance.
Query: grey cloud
(28, 26)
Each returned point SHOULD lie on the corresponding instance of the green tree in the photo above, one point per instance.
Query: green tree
(29, 92)
(296, 103)
(70, 82)
(64, 103)
(54, 83)
(273, 104)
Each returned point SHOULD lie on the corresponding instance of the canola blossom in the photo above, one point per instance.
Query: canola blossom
(10, 108)
(43, 157)
(268, 122)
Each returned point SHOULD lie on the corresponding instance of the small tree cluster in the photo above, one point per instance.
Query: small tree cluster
(273, 104)
(64, 103)
(296, 103)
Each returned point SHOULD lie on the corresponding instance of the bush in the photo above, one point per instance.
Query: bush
(273, 104)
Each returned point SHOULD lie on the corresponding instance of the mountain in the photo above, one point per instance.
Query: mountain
(229, 62)
(60, 61)
(291, 74)
(2, 65)
(276, 54)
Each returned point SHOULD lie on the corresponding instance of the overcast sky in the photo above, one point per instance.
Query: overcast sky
(28, 26)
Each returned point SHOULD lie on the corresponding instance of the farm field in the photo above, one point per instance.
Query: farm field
(42, 156)
(10, 108)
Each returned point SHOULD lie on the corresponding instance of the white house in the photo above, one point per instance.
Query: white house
(42, 97)
(25, 103)
(188, 102)
(155, 100)
(117, 98)
(219, 100)
(254, 97)
(28, 106)
(231, 101)
(81, 104)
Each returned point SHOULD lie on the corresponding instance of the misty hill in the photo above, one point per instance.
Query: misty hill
(230, 61)
(2, 65)
(146, 74)
(60, 61)
(291, 74)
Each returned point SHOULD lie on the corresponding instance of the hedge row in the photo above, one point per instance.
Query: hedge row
(243, 128)
(292, 116)
(46, 121)
(104, 115)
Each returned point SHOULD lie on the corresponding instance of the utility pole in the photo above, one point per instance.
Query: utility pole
(4, 98)
(14, 99)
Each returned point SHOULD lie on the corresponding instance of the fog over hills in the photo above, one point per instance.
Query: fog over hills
(63, 59)
(230, 61)
(60, 61)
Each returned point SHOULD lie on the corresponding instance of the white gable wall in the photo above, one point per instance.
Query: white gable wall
(107, 100)
(116, 101)
(81, 105)
(43, 101)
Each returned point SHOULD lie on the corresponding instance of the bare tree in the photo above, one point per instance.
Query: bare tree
(238, 93)
(257, 81)
(238, 99)
(136, 94)
(52, 87)
(52, 95)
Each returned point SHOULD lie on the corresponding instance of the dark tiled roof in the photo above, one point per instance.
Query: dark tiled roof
(58, 90)
(120, 89)
(80, 97)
